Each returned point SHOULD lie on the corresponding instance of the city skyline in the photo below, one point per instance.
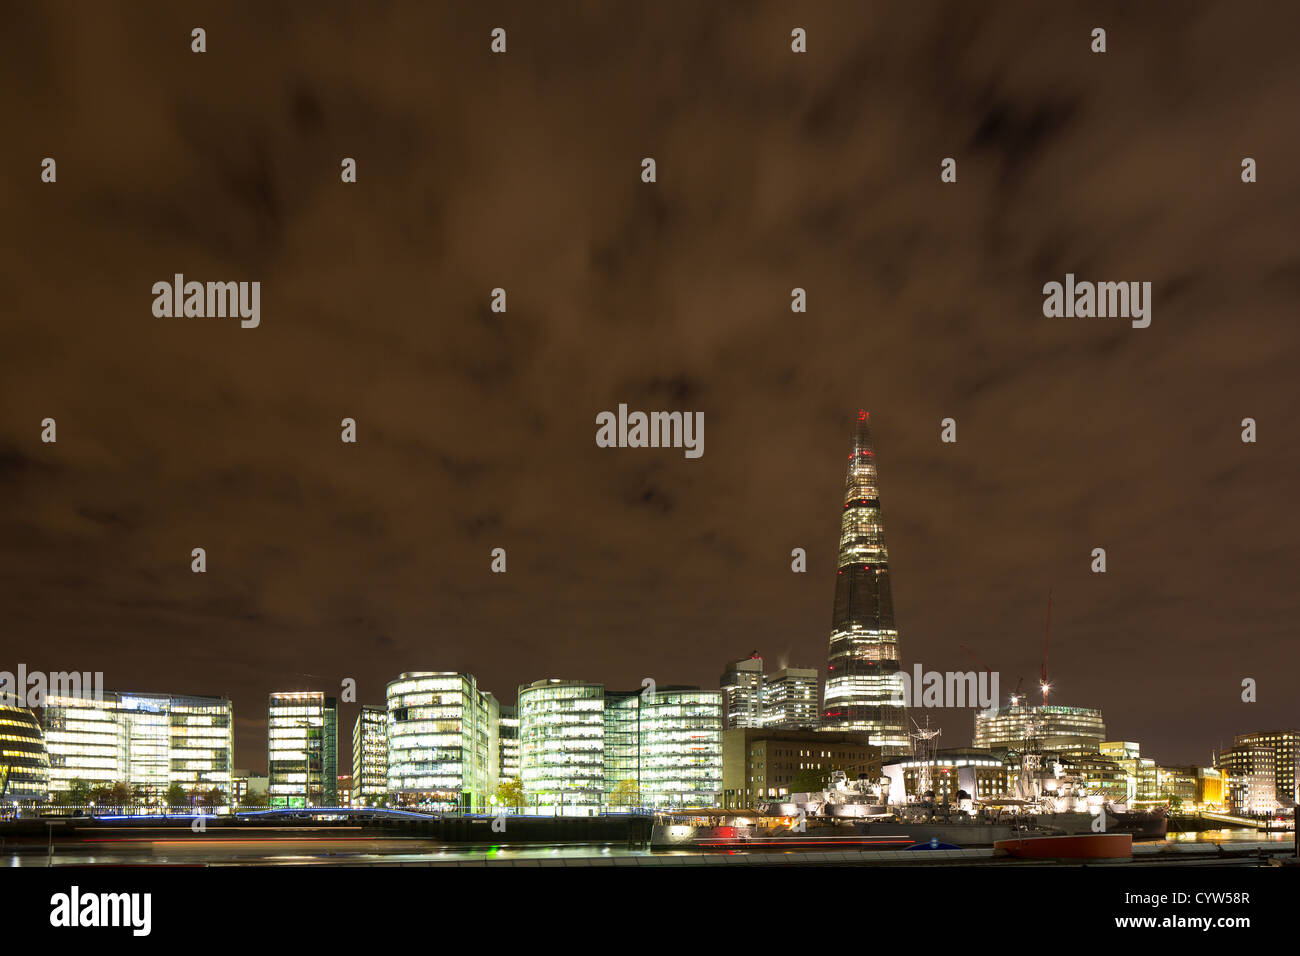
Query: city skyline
(476, 429)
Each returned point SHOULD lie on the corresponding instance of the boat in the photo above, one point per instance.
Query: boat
(1078, 846)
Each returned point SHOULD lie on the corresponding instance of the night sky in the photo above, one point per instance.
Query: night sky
(476, 429)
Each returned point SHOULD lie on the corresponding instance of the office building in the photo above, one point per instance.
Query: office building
(24, 761)
(742, 693)
(147, 741)
(302, 750)
(369, 755)
(787, 699)
(1065, 730)
(663, 749)
(759, 764)
(442, 741)
(508, 734)
(562, 746)
(1285, 745)
(863, 683)
(1142, 787)
(1250, 773)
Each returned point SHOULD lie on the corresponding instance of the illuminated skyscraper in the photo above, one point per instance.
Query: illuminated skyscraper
(369, 756)
(862, 672)
(303, 750)
(442, 741)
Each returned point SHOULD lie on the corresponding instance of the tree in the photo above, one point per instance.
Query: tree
(78, 794)
(176, 796)
(809, 781)
(510, 793)
(626, 793)
(120, 795)
(253, 800)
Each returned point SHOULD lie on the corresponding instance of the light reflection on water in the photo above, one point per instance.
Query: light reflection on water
(415, 851)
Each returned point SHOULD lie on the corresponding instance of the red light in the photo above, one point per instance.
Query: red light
(862, 414)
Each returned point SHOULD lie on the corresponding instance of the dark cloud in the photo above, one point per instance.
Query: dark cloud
(476, 429)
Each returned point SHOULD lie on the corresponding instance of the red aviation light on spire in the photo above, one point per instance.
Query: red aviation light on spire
(863, 414)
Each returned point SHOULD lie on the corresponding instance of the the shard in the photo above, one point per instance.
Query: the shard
(864, 688)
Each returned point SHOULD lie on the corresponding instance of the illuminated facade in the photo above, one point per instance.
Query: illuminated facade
(790, 699)
(742, 693)
(980, 773)
(1142, 787)
(1191, 787)
(24, 762)
(862, 671)
(562, 745)
(1251, 778)
(664, 749)
(369, 755)
(1285, 745)
(1076, 730)
(508, 732)
(442, 741)
(147, 741)
(784, 700)
(302, 750)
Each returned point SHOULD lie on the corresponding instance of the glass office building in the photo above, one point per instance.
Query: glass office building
(664, 749)
(562, 746)
(1064, 729)
(742, 686)
(302, 750)
(442, 741)
(369, 756)
(862, 670)
(791, 700)
(508, 732)
(147, 741)
(24, 762)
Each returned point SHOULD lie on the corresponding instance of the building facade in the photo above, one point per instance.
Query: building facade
(369, 756)
(791, 699)
(787, 699)
(1250, 778)
(760, 764)
(508, 733)
(562, 746)
(442, 741)
(1142, 773)
(24, 761)
(742, 693)
(302, 750)
(981, 774)
(863, 683)
(663, 749)
(147, 741)
(1285, 745)
(1076, 730)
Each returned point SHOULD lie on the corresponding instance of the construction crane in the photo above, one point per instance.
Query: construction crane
(1047, 640)
(976, 659)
